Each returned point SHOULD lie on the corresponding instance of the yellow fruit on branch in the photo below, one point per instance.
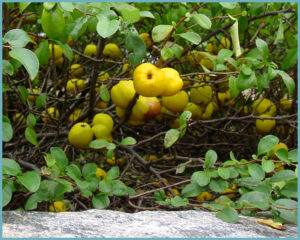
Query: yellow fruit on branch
(80, 135)
(285, 104)
(19, 118)
(146, 108)
(208, 111)
(224, 43)
(100, 173)
(146, 38)
(104, 119)
(90, 50)
(225, 98)
(148, 80)
(263, 106)
(124, 68)
(49, 114)
(204, 196)
(177, 193)
(194, 109)
(122, 93)
(32, 98)
(77, 70)
(57, 51)
(101, 131)
(57, 206)
(111, 51)
(201, 94)
(265, 126)
(75, 85)
(102, 76)
(177, 102)
(73, 116)
(173, 82)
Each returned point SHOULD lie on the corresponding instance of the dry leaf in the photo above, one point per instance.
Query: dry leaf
(271, 223)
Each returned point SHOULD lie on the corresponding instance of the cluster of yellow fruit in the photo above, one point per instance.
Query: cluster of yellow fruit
(196, 57)
(149, 82)
(58, 54)
(81, 134)
(111, 51)
(264, 107)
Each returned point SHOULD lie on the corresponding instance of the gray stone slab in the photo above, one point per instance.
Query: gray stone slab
(145, 224)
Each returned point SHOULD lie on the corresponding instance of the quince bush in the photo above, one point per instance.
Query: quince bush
(192, 104)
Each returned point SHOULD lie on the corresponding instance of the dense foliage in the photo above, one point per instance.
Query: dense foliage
(212, 145)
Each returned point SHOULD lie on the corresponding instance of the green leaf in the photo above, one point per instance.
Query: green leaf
(98, 144)
(266, 144)
(31, 180)
(28, 59)
(67, 51)
(23, 6)
(256, 171)
(128, 141)
(244, 82)
(73, 171)
(180, 169)
(218, 185)
(5, 118)
(191, 37)
(100, 201)
(113, 173)
(7, 132)
(49, 5)
(267, 165)
(24, 93)
(223, 54)
(201, 178)
(41, 100)
(31, 136)
(136, 44)
(31, 121)
(60, 157)
(53, 22)
(10, 167)
(118, 188)
(202, 20)
(171, 137)
(105, 186)
(131, 192)
(179, 202)
(288, 81)
(160, 32)
(210, 159)
(130, 15)
(289, 215)
(191, 190)
(6, 194)
(284, 175)
(262, 47)
(290, 189)
(280, 32)
(249, 181)
(255, 199)
(282, 154)
(67, 6)
(234, 90)
(224, 172)
(89, 169)
(8, 69)
(107, 23)
(262, 81)
(104, 93)
(166, 53)
(79, 26)
(146, 14)
(32, 201)
(17, 38)
(228, 5)
(293, 155)
(290, 59)
(228, 214)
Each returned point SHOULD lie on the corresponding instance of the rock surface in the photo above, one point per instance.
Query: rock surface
(146, 224)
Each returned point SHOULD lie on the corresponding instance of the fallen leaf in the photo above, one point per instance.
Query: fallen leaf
(271, 223)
